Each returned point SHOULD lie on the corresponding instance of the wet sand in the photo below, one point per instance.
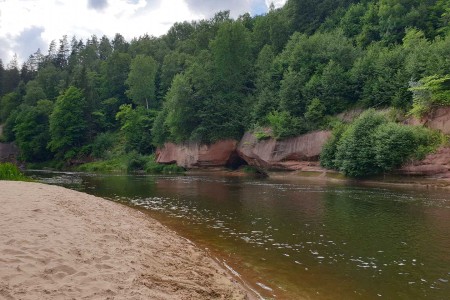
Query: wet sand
(57, 243)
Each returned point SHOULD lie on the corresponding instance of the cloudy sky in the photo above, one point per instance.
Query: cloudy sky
(26, 25)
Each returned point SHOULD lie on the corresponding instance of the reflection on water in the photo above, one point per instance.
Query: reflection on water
(302, 239)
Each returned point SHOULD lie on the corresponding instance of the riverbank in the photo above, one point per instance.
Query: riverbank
(59, 243)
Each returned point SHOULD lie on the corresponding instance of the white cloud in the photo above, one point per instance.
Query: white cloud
(20, 19)
(276, 3)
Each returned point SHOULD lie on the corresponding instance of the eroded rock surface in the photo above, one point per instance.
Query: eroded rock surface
(288, 154)
(435, 164)
(195, 155)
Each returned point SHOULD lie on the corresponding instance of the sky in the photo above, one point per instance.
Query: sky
(26, 25)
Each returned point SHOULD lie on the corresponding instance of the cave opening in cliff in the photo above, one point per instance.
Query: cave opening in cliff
(235, 161)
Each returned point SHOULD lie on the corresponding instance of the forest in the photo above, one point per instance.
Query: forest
(292, 70)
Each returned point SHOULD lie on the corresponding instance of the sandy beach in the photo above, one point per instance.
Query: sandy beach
(57, 243)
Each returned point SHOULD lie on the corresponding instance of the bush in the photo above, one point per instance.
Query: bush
(355, 151)
(285, 125)
(328, 154)
(372, 145)
(8, 171)
(136, 162)
(429, 92)
(102, 144)
(114, 165)
(394, 144)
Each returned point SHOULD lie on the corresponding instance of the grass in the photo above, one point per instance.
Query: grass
(114, 165)
(9, 171)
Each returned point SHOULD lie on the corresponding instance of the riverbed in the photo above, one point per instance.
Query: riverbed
(306, 238)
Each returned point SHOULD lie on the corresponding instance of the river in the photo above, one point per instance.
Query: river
(303, 238)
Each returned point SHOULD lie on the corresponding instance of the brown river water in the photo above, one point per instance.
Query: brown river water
(302, 239)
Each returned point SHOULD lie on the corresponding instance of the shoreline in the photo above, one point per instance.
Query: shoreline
(60, 243)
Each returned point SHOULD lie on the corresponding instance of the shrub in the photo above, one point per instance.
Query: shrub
(428, 92)
(285, 125)
(136, 162)
(328, 154)
(355, 151)
(9, 171)
(372, 145)
(394, 144)
(102, 144)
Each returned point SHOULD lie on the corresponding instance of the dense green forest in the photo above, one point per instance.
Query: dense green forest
(291, 69)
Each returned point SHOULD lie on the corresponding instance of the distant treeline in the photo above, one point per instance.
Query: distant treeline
(291, 69)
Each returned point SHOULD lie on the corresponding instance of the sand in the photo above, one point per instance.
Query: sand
(57, 243)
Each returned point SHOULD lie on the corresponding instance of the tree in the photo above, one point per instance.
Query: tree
(63, 53)
(2, 74)
(429, 92)
(141, 80)
(266, 83)
(8, 103)
(34, 92)
(32, 131)
(182, 116)
(115, 72)
(11, 76)
(105, 48)
(174, 63)
(67, 124)
(315, 113)
(119, 43)
(136, 125)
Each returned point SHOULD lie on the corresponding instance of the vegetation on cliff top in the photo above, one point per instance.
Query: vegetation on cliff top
(290, 69)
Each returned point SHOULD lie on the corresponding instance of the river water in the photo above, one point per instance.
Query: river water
(302, 239)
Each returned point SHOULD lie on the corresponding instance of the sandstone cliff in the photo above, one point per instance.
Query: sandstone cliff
(435, 164)
(438, 119)
(195, 155)
(297, 153)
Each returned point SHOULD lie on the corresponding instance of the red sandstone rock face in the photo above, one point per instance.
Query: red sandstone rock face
(288, 154)
(194, 155)
(438, 119)
(435, 164)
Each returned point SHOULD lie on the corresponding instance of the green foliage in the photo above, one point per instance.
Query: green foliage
(329, 150)
(372, 144)
(394, 144)
(141, 81)
(430, 92)
(181, 119)
(67, 124)
(8, 103)
(136, 127)
(216, 78)
(285, 125)
(136, 162)
(315, 113)
(32, 131)
(355, 152)
(262, 133)
(9, 171)
(116, 164)
(103, 144)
